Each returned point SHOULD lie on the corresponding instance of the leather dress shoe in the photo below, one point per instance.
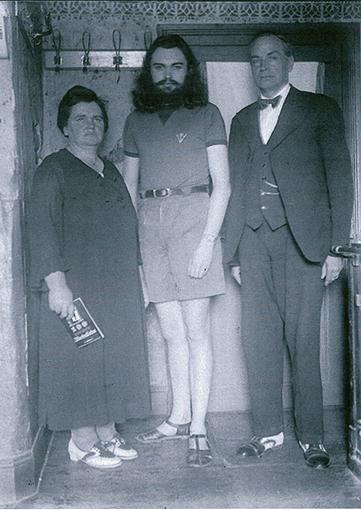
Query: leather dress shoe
(257, 446)
(315, 455)
(118, 447)
(97, 457)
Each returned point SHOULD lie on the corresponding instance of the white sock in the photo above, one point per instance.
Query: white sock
(272, 441)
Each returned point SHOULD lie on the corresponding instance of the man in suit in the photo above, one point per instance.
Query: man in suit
(291, 204)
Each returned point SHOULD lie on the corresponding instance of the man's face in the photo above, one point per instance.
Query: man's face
(270, 65)
(168, 69)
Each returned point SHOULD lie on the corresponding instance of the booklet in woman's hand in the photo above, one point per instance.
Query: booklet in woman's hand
(82, 327)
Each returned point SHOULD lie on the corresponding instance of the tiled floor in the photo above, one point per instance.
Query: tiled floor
(159, 478)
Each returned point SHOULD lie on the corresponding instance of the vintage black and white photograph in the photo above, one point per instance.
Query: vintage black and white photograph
(180, 254)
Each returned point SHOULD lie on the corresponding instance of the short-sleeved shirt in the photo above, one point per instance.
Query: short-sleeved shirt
(174, 154)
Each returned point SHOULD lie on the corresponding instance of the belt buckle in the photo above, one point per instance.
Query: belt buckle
(160, 193)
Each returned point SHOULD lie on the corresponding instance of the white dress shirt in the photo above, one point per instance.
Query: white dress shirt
(269, 116)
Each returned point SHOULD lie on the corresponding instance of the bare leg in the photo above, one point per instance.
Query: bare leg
(197, 324)
(172, 328)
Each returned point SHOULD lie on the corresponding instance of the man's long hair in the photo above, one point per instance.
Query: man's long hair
(146, 98)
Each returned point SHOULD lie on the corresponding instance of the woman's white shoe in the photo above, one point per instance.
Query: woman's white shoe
(118, 447)
(97, 457)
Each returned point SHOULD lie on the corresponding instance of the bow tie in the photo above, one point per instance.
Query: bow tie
(263, 103)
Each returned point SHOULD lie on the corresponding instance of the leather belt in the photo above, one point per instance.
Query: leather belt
(167, 192)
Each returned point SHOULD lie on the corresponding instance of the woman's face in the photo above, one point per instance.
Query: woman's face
(85, 127)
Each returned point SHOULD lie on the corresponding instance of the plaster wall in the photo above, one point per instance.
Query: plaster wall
(16, 461)
(27, 116)
(12, 303)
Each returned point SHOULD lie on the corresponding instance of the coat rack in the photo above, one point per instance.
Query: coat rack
(98, 59)
(88, 58)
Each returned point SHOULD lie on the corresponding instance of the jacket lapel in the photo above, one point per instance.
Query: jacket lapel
(290, 118)
(252, 123)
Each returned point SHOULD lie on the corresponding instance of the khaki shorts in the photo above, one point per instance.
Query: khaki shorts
(170, 230)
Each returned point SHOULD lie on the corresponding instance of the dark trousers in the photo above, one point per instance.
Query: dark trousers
(281, 305)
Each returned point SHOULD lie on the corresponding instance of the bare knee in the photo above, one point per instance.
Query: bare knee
(197, 321)
(171, 322)
(173, 332)
(173, 337)
(197, 336)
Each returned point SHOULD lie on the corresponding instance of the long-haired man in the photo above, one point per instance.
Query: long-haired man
(177, 173)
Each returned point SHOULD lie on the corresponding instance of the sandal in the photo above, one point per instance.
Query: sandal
(156, 436)
(196, 456)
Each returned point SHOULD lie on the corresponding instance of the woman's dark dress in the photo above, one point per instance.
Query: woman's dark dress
(85, 225)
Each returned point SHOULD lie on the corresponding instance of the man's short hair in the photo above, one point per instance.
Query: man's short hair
(286, 45)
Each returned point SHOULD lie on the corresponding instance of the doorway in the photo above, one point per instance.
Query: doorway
(327, 57)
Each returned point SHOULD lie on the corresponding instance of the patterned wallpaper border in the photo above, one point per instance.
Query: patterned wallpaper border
(211, 12)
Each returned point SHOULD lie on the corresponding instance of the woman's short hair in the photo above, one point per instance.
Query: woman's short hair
(75, 95)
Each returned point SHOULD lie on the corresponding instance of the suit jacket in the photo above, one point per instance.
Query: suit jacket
(311, 164)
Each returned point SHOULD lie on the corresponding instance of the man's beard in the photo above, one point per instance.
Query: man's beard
(172, 99)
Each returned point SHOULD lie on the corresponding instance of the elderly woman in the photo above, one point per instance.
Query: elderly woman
(84, 243)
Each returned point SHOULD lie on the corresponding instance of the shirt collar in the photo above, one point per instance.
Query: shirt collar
(283, 93)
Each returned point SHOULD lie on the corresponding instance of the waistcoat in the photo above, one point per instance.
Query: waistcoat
(264, 201)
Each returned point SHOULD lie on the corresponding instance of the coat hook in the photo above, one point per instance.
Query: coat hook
(117, 59)
(148, 37)
(38, 36)
(86, 39)
(57, 47)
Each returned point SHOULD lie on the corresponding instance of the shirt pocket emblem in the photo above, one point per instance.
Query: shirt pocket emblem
(181, 137)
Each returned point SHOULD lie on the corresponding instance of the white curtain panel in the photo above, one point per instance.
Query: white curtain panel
(231, 86)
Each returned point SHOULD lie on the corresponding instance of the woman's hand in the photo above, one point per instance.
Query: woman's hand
(61, 302)
(60, 296)
(201, 259)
